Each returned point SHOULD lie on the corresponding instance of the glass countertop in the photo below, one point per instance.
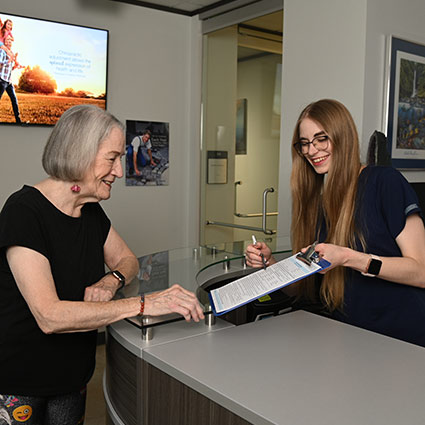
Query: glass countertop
(190, 267)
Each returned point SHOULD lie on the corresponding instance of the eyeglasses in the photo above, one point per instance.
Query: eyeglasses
(320, 142)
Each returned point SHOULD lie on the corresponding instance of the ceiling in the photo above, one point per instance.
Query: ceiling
(261, 34)
(184, 7)
(272, 22)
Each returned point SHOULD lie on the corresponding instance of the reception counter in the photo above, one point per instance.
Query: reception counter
(296, 368)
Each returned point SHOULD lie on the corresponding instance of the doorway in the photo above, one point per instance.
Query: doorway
(242, 66)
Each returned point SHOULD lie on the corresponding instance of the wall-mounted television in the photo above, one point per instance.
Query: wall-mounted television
(51, 67)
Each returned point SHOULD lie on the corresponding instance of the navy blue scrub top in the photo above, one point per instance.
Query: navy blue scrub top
(384, 201)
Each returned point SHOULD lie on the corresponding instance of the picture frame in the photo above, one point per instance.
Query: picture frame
(241, 126)
(404, 109)
(147, 153)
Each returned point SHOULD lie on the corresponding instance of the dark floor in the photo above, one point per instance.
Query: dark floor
(96, 409)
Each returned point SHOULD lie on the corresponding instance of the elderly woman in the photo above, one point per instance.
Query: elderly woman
(55, 240)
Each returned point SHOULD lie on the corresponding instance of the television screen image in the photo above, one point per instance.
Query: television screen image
(47, 67)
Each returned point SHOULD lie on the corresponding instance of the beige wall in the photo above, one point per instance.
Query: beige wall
(154, 74)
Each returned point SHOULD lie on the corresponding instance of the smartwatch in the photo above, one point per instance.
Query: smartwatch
(374, 266)
(120, 278)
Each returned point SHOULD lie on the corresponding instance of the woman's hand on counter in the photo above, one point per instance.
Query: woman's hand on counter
(174, 300)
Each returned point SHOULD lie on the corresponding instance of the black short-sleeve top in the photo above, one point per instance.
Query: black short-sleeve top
(34, 363)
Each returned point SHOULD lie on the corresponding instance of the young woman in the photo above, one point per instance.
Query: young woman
(368, 224)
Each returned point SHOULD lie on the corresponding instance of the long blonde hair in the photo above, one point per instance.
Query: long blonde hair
(315, 199)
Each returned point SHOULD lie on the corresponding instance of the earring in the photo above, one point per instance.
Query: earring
(75, 188)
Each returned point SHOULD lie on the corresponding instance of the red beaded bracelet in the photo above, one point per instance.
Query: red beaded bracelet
(142, 304)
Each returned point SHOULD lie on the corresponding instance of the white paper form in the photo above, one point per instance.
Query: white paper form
(255, 285)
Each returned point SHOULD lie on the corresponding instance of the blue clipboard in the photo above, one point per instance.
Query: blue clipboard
(322, 263)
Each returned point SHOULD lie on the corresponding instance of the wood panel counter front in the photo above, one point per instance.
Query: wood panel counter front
(297, 369)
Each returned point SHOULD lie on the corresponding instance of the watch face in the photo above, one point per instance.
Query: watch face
(374, 267)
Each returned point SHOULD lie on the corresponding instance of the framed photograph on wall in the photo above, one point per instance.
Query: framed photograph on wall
(241, 124)
(147, 153)
(404, 119)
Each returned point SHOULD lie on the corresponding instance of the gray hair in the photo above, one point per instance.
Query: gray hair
(73, 144)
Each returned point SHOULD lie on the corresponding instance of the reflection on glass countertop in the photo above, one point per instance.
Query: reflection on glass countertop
(161, 270)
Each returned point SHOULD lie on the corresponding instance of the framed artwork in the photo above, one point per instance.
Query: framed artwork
(241, 115)
(404, 119)
(147, 153)
(217, 167)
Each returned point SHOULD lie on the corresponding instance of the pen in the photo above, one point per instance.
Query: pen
(254, 241)
(264, 261)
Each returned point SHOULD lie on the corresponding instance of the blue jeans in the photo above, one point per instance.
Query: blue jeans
(7, 87)
(142, 159)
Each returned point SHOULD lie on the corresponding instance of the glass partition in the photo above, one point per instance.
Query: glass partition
(241, 92)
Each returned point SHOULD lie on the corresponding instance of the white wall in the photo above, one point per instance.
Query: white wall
(332, 48)
(154, 74)
(323, 57)
(405, 19)
(336, 49)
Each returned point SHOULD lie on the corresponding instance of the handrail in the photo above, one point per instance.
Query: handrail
(248, 215)
(240, 226)
(265, 193)
(264, 215)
